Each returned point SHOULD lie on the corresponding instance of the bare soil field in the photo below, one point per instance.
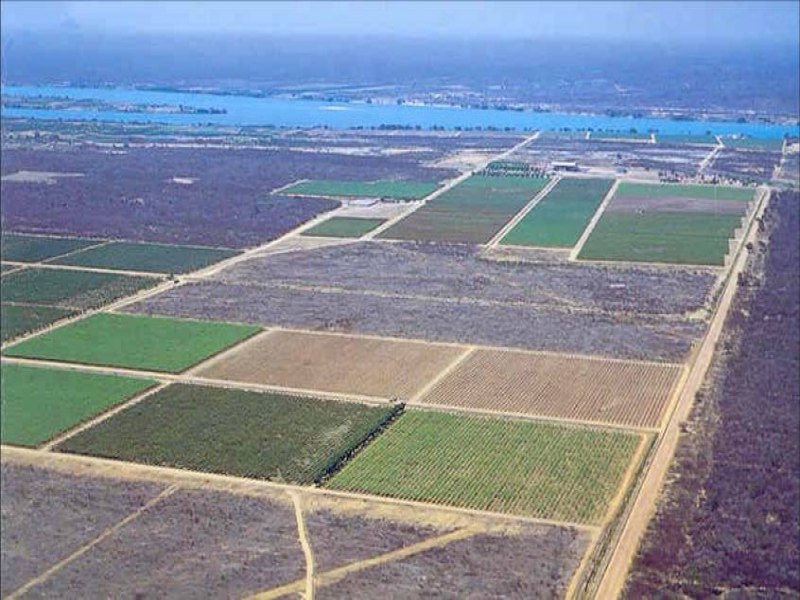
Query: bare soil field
(131, 195)
(334, 363)
(527, 327)
(48, 516)
(459, 272)
(529, 564)
(621, 393)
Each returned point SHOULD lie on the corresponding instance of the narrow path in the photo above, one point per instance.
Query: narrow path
(84, 549)
(305, 543)
(492, 243)
(709, 158)
(595, 219)
(645, 502)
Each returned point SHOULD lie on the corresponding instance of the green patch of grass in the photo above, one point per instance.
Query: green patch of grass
(619, 135)
(395, 190)
(523, 468)
(345, 227)
(19, 319)
(753, 144)
(156, 258)
(686, 238)
(559, 219)
(661, 190)
(472, 212)
(677, 138)
(235, 432)
(69, 289)
(135, 342)
(38, 404)
(29, 248)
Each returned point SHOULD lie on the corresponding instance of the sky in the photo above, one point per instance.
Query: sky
(654, 21)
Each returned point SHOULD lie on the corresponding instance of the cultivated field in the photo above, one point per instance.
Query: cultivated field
(36, 297)
(394, 190)
(471, 212)
(158, 258)
(668, 223)
(234, 432)
(522, 468)
(616, 392)
(344, 227)
(28, 248)
(559, 219)
(334, 363)
(38, 404)
(676, 138)
(147, 343)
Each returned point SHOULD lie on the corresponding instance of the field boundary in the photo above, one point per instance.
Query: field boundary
(598, 214)
(77, 464)
(56, 267)
(623, 550)
(532, 203)
(305, 543)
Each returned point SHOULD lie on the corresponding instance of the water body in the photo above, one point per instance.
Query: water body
(244, 110)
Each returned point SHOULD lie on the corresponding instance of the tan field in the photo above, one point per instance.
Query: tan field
(625, 393)
(335, 363)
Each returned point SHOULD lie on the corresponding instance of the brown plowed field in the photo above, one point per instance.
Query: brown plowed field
(615, 392)
(333, 363)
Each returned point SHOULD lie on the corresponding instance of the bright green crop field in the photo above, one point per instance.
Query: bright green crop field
(235, 432)
(38, 404)
(395, 190)
(156, 258)
(684, 238)
(344, 227)
(523, 468)
(31, 248)
(472, 212)
(559, 219)
(134, 342)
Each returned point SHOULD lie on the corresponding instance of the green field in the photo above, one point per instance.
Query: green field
(677, 138)
(29, 248)
(753, 144)
(135, 342)
(523, 468)
(19, 319)
(565, 135)
(155, 258)
(394, 190)
(686, 238)
(663, 190)
(38, 404)
(560, 217)
(472, 212)
(79, 290)
(619, 135)
(344, 227)
(235, 432)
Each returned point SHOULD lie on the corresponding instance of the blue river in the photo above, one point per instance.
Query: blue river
(244, 110)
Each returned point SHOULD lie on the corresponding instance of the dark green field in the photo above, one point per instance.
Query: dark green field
(394, 190)
(344, 227)
(29, 248)
(235, 432)
(38, 404)
(472, 212)
(78, 290)
(705, 140)
(154, 258)
(560, 217)
(19, 319)
(707, 192)
(135, 342)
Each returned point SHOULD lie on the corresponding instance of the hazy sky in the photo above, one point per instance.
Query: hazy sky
(658, 21)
